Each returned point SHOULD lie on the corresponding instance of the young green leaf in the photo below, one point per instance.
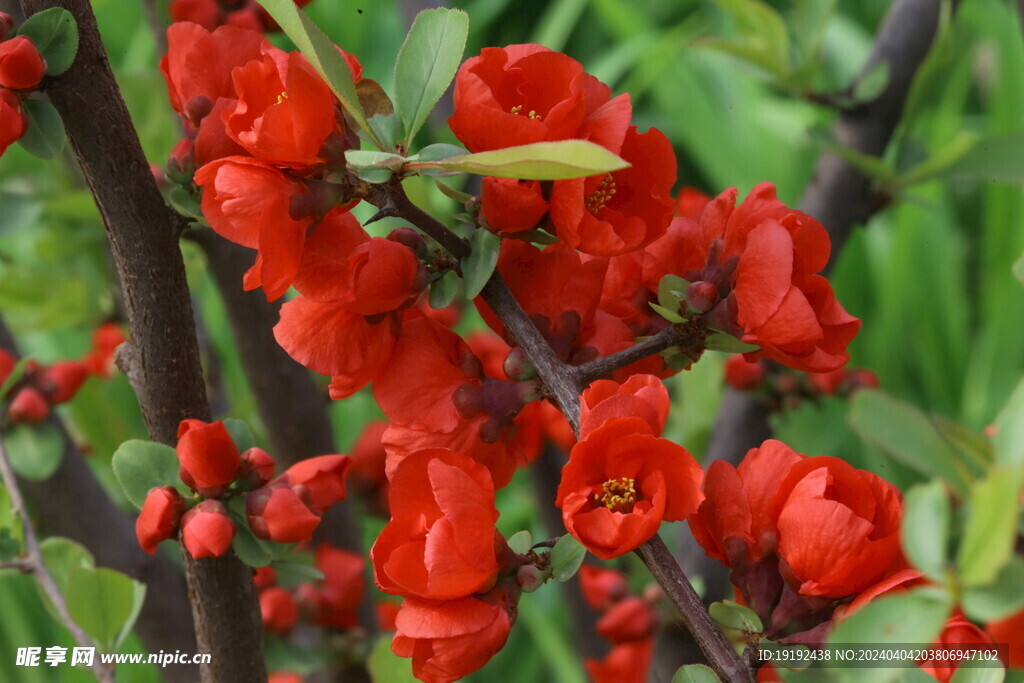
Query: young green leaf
(671, 290)
(141, 465)
(45, 135)
(735, 616)
(483, 257)
(539, 161)
(443, 290)
(999, 599)
(55, 34)
(427, 64)
(104, 603)
(1009, 427)
(35, 451)
(240, 434)
(667, 314)
(324, 57)
(925, 528)
(373, 166)
(723, 341)
(987, 542)
(694, 673)
(566, 557)
(249, 549)
(521, 542)
(872, 83)
(763, 38)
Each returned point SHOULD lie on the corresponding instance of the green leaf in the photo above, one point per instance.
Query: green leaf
(764, 39)
(907, 435)
(978, 671)
(566, 557)
(427, 64)
(324, 57)
(872, 83)
(723, 341)
(104, 603)
(1009, 425)
(520, 542)
(17, 372)
(63, 556)
(55, 34)
(372, 166)
(694, 673)
(916, 616)
(12, 528)
(1018, 269)
(485, 247)
(452, 193)
(142, 465)
(240, 434)
(671, 290)
(291, 574)
(185, 204)
(539, 161)
(987, 542)
(35, 451)
(1001, 598)
(667, 314)
(384, 666)
(976, 449)
(444, 289)
(925, 528)
(379, 112)
(249, 549)
(45, 135)
(940, 162)
(992, 159)
(735, 616)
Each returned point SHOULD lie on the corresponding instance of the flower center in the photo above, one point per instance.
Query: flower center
(618, 495)
(602, 195)
(282, 97)
(532, 113)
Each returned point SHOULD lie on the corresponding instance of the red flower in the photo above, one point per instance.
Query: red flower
(626, 663)
(838, 527)
(827, 383)
(63, 379)
(522, 94)
(209, 459)
(206, 529)
(691, 202)
(203, 12)
(387, 613)
(602, 587)
(329, 339)
(368, 458)
(249, 202)
(622, 211)
(285, 110)
(642, 396)
(158, 520)
(257, 468)
(105, 340)
(734, 522)
(449, 640)
(13, 121)
(627, 621)
(277, 513)
(621, 482)
(198, 65)
(897, 582)
(744, 375)
(319, 481)
(440, 542)
(21, 65)
(278, 610)
(958, 635)
(1010, 631)
(28, 407)
(338, 598)
(511, 206)
(7, 365)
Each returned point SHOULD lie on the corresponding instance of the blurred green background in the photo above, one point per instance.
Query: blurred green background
(931, 276)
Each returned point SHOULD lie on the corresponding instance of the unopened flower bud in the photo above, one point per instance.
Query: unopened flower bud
(21, 65)
(410, 238)
(701, 296)
(257, 468)
(28, 407)
(530, 578)
(518, 367)
(206, 529)
(158, 520)
(63, 379)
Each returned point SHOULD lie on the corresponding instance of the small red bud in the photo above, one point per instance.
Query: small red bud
(408, 237)
(257, 468)
(701, 296)
(530, 578)
(28, 407)
(21, 65)
(63, 379)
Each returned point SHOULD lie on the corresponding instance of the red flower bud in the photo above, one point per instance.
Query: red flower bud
(206, 529)
(21, 65)
(319, 481)
(63, 379)
(529, 578)
(264, 577)
(628, 620)
(28, 407)
(743, 375)
(13, 121)
(159, 518)
(827, 383)
(278, 514)
(701, 296)
(209, 458)
(257, 468)
(602, 587)
(278, 610)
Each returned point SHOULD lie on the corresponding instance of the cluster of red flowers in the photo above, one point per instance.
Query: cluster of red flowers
(285, 509)
(627, 621)
(331, 602)
(210, 14)
(786, 388)
(21, 70)
(40, 387)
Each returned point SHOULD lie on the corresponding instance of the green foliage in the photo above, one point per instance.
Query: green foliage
(991, 527)
(240, 433)
(427, 64)
(104, 603)
(485, 247)
(735, 616)
(925, 529)
(35, 451)
(143, 465)
(55, 34)
(444, 289)
(566, 558)
(384, 666)
(541, 160)
(694, 673)
(45, 136)
(520, 542)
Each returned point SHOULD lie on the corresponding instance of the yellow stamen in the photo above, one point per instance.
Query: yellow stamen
(532, 113)
(602, 195)
(619, 494)
(282, 97)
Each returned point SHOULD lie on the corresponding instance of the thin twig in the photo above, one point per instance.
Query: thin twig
(33, 562)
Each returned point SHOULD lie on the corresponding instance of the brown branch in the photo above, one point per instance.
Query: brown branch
(165, 622)
(166, 370)
(673, 335)
(33, 563)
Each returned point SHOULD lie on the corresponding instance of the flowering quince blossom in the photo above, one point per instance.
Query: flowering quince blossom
(158, 521)
(621, 482)
(642, 396)
(206, 529)
(288, 508)
(625, 663)
(336, 599)
(451, 639)
(13, 120)
(213, 13)
(602, 587)
(21, 65)
(209, 458)
(441, 543)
